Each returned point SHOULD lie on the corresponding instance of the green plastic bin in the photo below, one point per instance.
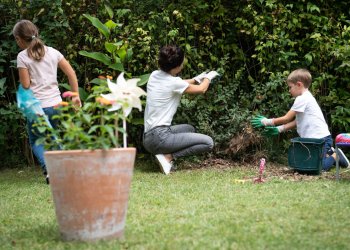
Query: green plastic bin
(305, 155)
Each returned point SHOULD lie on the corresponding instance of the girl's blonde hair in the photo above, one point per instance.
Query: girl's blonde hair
(29, 33)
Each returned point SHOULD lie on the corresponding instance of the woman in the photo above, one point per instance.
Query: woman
(164, 90)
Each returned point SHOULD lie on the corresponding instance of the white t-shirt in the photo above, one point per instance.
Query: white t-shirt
(164, 92)
(309, 117)
(43, 75)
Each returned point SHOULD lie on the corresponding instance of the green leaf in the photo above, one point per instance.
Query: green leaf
(129, 54)
(97, 56)
(311, 8)
(143, 79)
(111, 133)
(2, 82)
(2, 86)
(109, 11)
(64, 86)
(315, 35)
(111, 25)
(308, 57)
(41, 129)
(87, 117)
(83, 94)
(5, 112)
(99, 25)
(117, 66)
(122, 12)
(121, 53)
(98, 81)
(93, 129)
(111, 47)
(137, 121)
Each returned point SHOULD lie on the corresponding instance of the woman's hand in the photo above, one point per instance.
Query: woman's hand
(211, 75)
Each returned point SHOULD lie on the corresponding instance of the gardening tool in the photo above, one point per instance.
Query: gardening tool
(240, 181)
(260, 179)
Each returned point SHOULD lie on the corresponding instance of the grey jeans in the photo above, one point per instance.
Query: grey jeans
(178, 140)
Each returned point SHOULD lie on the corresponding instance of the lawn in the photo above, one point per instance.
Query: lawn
(193, 208)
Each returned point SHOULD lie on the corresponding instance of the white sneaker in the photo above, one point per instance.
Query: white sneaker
(165, 166)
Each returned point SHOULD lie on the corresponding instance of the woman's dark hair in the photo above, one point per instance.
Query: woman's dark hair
(170, 56)
(29, 33)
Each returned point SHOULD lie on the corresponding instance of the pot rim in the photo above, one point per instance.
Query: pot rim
(70, 151)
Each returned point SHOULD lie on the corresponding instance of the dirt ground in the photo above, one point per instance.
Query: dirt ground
(245, 141)
(272, 170)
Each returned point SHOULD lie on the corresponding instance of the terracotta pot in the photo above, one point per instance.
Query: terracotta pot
(90, 189)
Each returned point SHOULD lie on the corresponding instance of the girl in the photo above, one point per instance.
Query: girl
(164, 90)
(37, 67)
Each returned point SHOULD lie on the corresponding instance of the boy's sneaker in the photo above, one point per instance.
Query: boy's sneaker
(165, 166)
(343, 161)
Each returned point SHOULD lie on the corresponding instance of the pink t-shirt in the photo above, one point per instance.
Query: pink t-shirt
(43, 75)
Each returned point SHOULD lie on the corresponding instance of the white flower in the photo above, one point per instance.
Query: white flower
(124, 94)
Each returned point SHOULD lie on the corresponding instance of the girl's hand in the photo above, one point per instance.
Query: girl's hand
(74, 97)
(76, 101)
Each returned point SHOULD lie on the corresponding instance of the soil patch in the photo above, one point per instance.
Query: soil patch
(272, 170)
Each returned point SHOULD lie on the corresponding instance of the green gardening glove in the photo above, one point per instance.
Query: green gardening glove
(270, 131)
(260, 121)
(273, 131)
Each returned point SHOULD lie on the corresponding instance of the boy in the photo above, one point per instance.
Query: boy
(306, 116)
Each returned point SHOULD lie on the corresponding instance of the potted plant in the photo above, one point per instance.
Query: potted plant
(90, 173)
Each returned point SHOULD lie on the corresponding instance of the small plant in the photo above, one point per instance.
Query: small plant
(96, 124)
(117, 50)
(114, 50)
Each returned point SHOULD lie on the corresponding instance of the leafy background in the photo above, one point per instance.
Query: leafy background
(254, 44)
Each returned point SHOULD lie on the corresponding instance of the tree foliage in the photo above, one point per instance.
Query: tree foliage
(254, 44)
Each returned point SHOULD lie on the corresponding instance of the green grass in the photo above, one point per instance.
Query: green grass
(191, 209)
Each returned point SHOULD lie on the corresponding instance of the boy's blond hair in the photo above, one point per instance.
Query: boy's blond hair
(300, 75)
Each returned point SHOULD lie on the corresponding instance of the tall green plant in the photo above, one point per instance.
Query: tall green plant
(117, 50)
